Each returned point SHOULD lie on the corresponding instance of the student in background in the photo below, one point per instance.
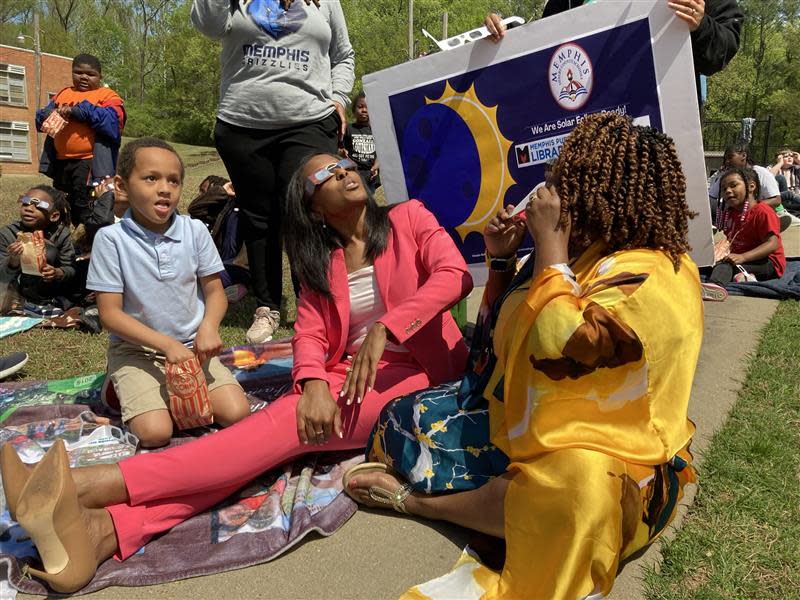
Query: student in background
(751, 228)
(42, 208)
(737, 155)
(360, 144)
(84, 150)
(787, 173)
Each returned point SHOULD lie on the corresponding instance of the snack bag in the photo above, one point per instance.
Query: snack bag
(722, 248)
(188, 394)
(33, 258)
(53, 124)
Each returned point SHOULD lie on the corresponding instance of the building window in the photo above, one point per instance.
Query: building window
(14, 143)
(12, 85)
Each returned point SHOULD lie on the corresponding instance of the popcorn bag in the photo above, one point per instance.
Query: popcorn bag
(33, 258)
(53, 124)
(722, 248)
(188, 394)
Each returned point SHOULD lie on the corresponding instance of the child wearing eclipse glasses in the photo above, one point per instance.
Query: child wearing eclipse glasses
(42, 208)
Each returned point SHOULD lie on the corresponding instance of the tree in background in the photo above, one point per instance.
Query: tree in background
(169, 74)
(764, 77)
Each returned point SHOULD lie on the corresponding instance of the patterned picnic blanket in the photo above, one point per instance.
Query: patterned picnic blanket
(12, 325)
(259, 523)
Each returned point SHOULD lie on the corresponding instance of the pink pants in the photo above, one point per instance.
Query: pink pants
(166, 488)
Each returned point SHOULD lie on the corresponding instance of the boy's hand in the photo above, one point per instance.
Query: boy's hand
(207, 342)
(50, 273)
(176, 352)
(15, 248)
(106, 185)
(65, 111)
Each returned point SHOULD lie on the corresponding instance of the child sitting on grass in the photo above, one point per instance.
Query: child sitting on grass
(215, 206)
(156, 275)
(42, 208)
(752, 229)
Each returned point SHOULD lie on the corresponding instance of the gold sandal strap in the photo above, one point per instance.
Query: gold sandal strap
(394, 499)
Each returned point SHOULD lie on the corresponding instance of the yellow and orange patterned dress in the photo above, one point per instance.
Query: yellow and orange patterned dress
(589, 400)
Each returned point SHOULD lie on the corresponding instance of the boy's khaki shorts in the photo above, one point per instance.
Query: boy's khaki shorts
(139, 378)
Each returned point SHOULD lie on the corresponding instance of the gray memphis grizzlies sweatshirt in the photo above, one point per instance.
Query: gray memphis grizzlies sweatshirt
(279, 68)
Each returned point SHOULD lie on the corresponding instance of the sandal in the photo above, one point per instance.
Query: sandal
(378, 494)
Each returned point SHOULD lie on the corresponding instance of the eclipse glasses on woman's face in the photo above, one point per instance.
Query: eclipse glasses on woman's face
(41, 204)
(317, 178)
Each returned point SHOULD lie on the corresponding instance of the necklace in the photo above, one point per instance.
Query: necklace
(731, 226)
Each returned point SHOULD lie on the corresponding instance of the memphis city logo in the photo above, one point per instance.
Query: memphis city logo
(570, 75)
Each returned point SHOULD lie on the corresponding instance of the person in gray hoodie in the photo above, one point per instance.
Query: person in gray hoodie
(287, 70)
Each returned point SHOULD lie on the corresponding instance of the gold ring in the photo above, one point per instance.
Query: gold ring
(348, 370)
(319, 432)
(694, 12)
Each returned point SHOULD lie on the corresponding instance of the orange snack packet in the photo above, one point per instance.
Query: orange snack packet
(722, 248)
(53, 124)
(33, 258)
(188, 394)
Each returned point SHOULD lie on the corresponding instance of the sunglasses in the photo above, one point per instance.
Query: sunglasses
(317, 178)
(40, 204)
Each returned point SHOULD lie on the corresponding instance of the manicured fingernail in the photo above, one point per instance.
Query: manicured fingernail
(341, 435)
(369, 389)
(358, 399)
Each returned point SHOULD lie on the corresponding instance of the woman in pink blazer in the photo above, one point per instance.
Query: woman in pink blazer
(372, 324)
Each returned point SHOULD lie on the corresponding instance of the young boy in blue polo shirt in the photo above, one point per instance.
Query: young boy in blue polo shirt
(159, 294)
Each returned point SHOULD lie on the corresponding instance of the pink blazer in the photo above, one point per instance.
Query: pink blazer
(420, 276)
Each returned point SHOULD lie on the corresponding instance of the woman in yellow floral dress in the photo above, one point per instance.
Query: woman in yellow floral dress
(588, 384)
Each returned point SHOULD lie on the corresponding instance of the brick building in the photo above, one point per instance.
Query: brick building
(18, 103)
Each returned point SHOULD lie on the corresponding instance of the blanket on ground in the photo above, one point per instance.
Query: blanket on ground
(12, 325)
(786, 287)
(259, 523)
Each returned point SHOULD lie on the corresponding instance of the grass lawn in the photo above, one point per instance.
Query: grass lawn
(741, 537)
(56, 354)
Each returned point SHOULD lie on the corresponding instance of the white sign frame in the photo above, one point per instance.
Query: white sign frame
(674, 71)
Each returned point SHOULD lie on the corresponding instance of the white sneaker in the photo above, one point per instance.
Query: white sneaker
(713, 292)
(265, 322)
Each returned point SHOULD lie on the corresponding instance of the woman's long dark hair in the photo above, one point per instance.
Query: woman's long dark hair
(309, 241)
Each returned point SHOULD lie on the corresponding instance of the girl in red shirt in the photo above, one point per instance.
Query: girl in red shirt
(752, 228)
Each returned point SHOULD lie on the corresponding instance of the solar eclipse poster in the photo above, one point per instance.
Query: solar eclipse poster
(470, 130)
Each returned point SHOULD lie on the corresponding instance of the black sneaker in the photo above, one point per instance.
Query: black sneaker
(785, 220)
(12, 363)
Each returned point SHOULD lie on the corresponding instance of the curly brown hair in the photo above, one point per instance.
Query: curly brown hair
(623, 184)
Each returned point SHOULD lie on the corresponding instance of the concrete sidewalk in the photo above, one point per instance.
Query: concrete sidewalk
(380, 554)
